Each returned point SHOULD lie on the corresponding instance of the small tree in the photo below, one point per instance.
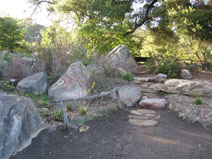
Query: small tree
(11, 33)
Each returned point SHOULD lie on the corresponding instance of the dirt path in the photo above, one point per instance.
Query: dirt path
(114, 138)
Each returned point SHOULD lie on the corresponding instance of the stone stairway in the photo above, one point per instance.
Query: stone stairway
(143, 117)
(149, 89)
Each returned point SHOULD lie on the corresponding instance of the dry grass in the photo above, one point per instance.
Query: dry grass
(203, 75)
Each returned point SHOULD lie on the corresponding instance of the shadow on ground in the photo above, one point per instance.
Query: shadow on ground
(114, 138)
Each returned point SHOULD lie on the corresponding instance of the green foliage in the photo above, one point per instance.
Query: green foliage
(11, 33)
(173, 29)
(198, 101)
(6, 87)
(53, 50)
(112, 108)
(41, 100)
(56, 115)
(83, 110)
(170, 66)
(101, 24)
(127, 76)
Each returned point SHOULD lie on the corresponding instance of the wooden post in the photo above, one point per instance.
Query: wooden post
(64, 114)
(102, 94)
(118, 99)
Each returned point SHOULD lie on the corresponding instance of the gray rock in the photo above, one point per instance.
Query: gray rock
(36, 83)
(19, 123)
(3, 93)
(186, 74)
(129, 94)
(153, 103)
(159, 78)
(73, 84)
(120, 57)
(188, 87)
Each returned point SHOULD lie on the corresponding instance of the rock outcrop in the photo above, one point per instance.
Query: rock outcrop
(73, 84)
(36, 83)
(19, 123)
(187, 87)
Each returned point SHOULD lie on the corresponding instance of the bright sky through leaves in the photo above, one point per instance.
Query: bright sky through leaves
(21, 9)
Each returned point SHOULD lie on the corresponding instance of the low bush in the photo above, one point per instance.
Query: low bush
(170, 66)
(112, 108)
(56, 115)
(17, 69)
(6, 87)
(40, 100)
(83, 110)
(198, 101)
(127, 76)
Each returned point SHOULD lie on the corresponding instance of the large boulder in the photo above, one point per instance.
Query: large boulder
(120, 57)
(19, 123)
(129, 94)
(73, 84)
(36, 83)
(188, 87)
(153, 103)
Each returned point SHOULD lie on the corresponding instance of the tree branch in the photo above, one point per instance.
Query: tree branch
(146, 18)
(37, 3)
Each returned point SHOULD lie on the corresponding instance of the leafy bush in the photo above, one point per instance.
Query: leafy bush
(170, 66)
(198, 101)
(40, 100)
(57, 115)
(6, 87)
(112, 108)
(83, 110)
(127, 76)
(193, 68)
(20, 68)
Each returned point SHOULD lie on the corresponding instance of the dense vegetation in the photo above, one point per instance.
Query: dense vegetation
(172, 32)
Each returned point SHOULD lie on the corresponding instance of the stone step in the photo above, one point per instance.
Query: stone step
(146, 111)
(151, 95)
(143, 123)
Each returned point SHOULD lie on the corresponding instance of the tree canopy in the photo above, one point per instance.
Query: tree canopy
(11, 33)
(107, 23)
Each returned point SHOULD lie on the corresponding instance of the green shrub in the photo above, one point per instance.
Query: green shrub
(193, 68)
(127, 76)
(112, 108)
(57, 115)
(198, 101)
(170, 66)
(83, 110)
(6, 87)
(40, 100)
